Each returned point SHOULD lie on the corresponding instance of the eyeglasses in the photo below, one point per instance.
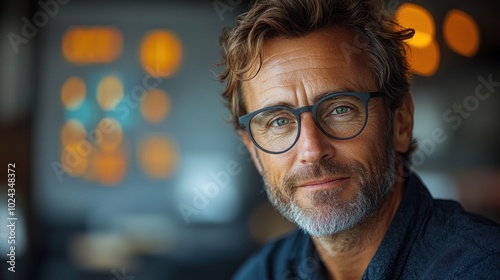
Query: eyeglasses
(341, 116)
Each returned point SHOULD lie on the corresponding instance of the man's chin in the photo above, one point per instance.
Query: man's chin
(328, 199)
(327, 217)
(319, 223)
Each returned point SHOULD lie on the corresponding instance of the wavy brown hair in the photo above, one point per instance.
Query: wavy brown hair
(382, 40)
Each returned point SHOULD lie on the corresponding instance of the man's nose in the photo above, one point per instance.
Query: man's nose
(313, 145)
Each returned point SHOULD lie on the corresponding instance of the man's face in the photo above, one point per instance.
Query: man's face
(324, 185)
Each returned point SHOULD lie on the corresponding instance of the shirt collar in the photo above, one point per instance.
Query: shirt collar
(395, 246)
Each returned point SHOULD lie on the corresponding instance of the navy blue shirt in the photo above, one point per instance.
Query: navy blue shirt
(427, 239)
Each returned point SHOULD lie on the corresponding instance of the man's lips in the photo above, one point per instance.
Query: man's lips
(324, 183)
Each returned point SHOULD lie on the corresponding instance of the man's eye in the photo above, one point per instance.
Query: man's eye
(341, 110)
(280, 122)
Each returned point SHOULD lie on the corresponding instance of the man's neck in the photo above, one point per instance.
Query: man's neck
(346, 255)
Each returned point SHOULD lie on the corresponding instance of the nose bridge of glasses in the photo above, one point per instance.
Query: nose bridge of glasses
(310, 138)
(304, 109)
(301, 110)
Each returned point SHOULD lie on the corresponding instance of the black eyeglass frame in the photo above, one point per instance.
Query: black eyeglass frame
(363, 96)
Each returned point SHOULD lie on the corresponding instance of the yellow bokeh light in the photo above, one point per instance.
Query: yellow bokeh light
(161, 53)
(72, 132)
(424, 61)
(156, 106)
(112, 134)
(84, 45)
(109, 92)
(109, 167)
(73, 93)
(414, 16)
(157, 156)
(461, 33)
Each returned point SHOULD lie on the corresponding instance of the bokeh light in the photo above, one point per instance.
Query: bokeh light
(158, 156)
(461, 33)
(109, 92)
(112, 134)
(414, 16)
(74, 158)
(161, 53)
(87, 113)
(73, 93)
(109, 168)
(75, 148)
(425, 61)
(156, 106)
(85, 45)
(72, 132)
(100, 251)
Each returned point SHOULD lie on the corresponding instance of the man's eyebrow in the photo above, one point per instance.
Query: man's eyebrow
(315, 100)
(278, 103)
(321, 95)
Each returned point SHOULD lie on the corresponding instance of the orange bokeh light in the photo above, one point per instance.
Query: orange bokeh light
(73, 93)
(156, 106)
(109, 92)
(75, 148)
(424, 61)
(85, 45)
(161, 53)
(461, 33)
(109, 168)
(72, 132)
(74, 159)
(414, 16)
(112, 134)
(158, 157)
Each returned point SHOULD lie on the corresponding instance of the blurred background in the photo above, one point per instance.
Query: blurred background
(126, 166)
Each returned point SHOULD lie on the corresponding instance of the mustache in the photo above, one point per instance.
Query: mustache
(319, 170)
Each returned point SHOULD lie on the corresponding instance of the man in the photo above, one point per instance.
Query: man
(319, 92)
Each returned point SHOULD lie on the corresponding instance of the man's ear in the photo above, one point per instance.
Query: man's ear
(251, 149)
(403, 125)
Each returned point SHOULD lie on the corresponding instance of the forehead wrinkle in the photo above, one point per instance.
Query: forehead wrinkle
(266, 62)
(269, 57)
(283, 61)
(265, 100)
(265, 80)
(348, 86)
(296, 70)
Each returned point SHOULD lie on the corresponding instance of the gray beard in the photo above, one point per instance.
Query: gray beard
(329, 214)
